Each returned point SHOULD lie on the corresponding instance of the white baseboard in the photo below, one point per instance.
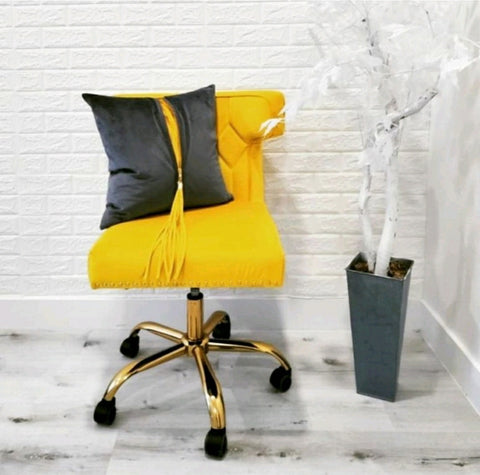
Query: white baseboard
(452, 354)
(80, 313)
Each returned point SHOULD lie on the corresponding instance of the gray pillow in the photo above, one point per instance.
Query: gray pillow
(142, 166)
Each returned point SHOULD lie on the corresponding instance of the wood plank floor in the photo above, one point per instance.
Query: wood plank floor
(51, 381)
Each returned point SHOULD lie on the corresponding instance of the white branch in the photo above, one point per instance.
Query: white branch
(367, 232)
(385, 247)
(417, 106)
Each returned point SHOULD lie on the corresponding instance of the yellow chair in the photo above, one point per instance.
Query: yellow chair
(230, 245)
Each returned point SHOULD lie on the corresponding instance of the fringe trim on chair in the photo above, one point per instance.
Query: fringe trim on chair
(171, 243)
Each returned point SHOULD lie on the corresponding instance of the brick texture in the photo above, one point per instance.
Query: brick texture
(53, 171)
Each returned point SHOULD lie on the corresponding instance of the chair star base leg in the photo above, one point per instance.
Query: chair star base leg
(195, 342)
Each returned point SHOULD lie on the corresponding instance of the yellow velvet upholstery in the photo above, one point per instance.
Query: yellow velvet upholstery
(231, 245)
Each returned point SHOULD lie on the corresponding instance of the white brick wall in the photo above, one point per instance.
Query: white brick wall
(52, 166)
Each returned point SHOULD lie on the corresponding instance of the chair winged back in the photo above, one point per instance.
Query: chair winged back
(240, 115)
(239, 119)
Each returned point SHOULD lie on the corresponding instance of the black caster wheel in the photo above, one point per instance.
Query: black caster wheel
(281, 379)
(130, 346)
(222, 330)
(105, 412)
(216, 443)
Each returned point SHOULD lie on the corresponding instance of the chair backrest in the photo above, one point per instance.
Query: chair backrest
(240, 115)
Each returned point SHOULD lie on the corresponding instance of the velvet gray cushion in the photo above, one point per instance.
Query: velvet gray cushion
(143, 171)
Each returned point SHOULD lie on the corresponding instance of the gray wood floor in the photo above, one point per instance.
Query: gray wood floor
(50, 383)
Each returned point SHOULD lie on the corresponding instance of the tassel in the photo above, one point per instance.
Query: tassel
(171, 241)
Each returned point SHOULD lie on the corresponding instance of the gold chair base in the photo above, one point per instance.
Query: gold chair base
(196, 342)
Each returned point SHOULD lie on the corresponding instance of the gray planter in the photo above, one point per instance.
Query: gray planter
(378, 306)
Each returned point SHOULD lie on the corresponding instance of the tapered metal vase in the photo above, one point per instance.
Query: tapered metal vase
(378, 307)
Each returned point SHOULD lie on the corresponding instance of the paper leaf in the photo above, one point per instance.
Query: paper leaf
(269, 125)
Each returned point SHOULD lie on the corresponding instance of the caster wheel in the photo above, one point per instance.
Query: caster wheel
(216, 443)
(281, 379)
(105, 412)
(130, 346)
(222, 330)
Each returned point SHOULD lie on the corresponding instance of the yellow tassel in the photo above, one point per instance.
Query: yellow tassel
(171, 242)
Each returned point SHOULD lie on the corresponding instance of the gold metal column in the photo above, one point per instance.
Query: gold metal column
(194, 316)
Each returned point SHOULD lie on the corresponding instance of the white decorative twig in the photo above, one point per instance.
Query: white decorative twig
(392, 133)
(387, 56)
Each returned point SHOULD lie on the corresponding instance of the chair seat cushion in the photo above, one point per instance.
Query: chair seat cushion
(231, 245)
